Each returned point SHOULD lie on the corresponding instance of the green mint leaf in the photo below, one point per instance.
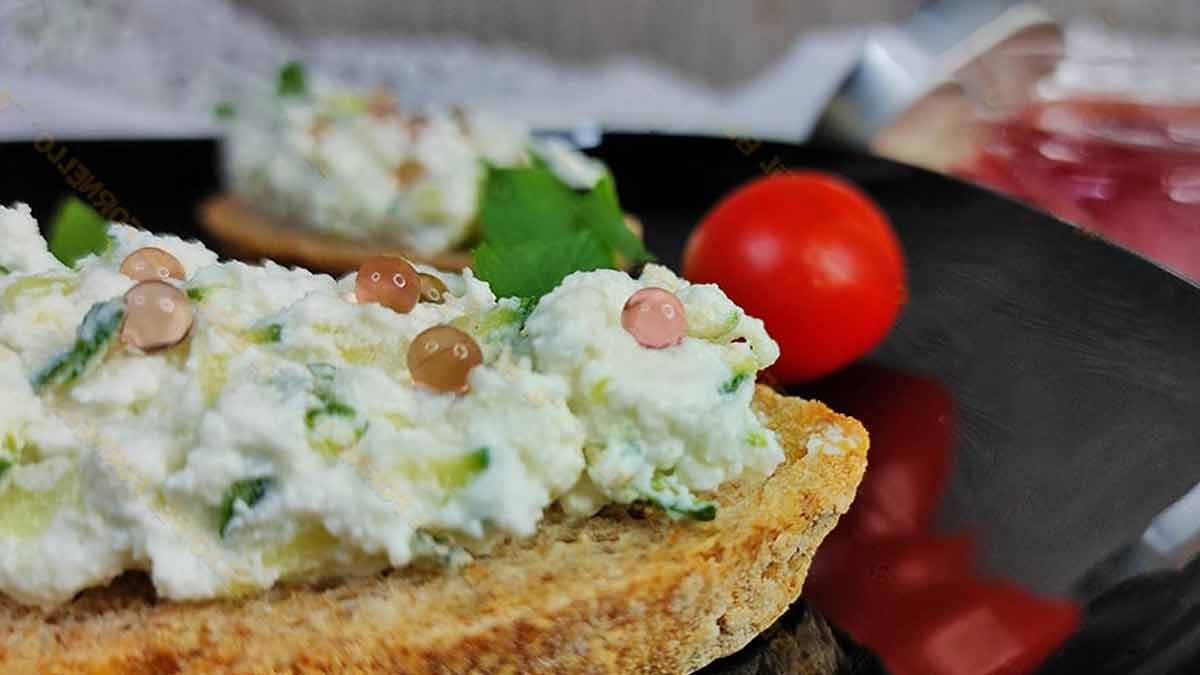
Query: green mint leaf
(292, 80)
(522, 204)
(224, 110)
(248, 492)
(5, 465)
(4, 270)
(533, 268)
(601, 211)
(77, 231)
(92, 339)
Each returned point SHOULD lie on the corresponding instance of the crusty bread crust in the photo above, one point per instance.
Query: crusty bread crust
(627, 591)
(246, 233)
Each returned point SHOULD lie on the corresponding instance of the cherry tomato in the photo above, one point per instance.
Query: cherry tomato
(810, 255)
(910, 419)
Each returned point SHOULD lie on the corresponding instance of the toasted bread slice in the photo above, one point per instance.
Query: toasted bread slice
(627, 591)
(247, 233)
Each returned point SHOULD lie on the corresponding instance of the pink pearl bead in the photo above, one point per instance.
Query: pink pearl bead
(389, 281)
(655, 318)
(157, 316)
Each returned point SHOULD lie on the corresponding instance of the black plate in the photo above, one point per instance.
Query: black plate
(1071, 362)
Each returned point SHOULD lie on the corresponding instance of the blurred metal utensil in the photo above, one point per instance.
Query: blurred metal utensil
(582, 135)
(901, 64)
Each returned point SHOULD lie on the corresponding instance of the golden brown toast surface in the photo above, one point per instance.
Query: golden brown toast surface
(248, 234)
(628, 591)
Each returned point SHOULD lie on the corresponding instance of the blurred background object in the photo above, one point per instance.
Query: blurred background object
(763, 68)
(1087, 108)
(141, 67)
(719, 43)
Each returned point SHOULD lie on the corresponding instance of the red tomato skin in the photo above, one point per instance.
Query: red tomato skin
(810, 255)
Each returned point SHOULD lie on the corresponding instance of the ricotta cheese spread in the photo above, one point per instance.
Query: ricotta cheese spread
(355, 166)
(285, 438)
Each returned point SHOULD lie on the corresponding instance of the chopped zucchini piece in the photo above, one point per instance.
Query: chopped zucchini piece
(332, 408)
(306, 552)
(499, 324)
(36, 285)
(713, 331)
(224, 110)
(19, 453)
(734, 383)
(93, 337)
(451, 473)
(669, 495)
(458, 472)
(599, 391)
(26, 513)
(703, 512)
(198, 293)
(756, 439)
(266, 334)
(292, 80)
(213, 372)
(324, 439)
(246, 492)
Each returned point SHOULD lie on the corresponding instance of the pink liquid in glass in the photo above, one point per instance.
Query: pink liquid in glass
(1126, 171)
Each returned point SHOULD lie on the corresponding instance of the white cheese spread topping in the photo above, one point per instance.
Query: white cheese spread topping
(284, 437)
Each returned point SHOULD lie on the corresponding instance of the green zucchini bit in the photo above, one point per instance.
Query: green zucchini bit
(246, 492)
(734, 383)
(92, 340)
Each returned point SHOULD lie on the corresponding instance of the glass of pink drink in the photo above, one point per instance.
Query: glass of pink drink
(1126, 170)
(1100, 127)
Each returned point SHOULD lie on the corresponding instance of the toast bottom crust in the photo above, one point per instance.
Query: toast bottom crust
(249, 234)
(627, 591)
